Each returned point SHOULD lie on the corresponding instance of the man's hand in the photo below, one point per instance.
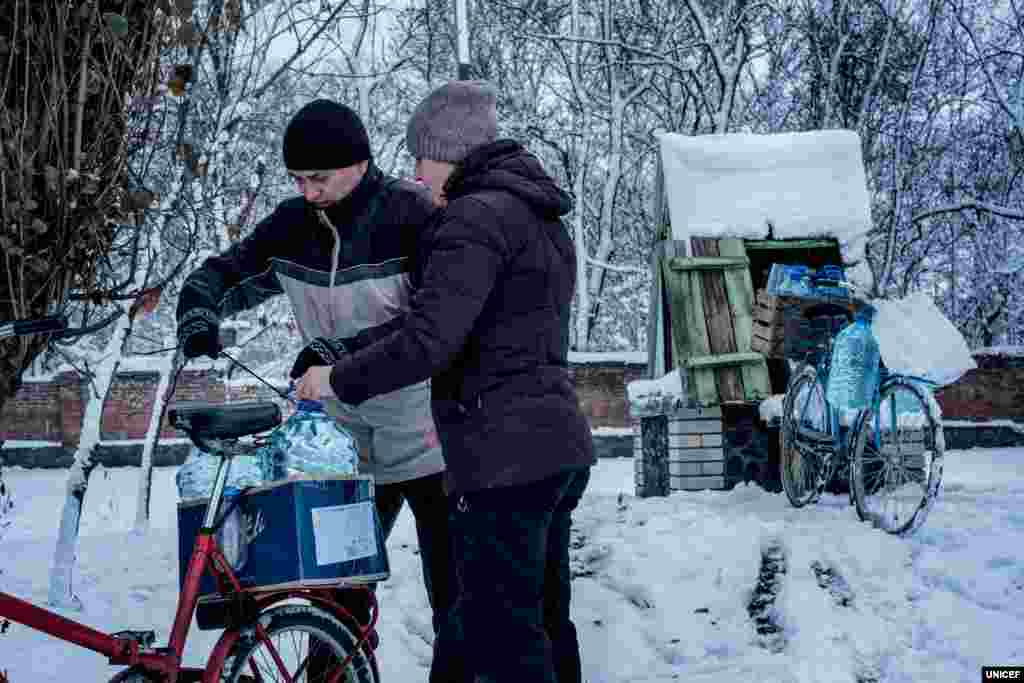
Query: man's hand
(315, 384)
(199, 333)
(320, 351)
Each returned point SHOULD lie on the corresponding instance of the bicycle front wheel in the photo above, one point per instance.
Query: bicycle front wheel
(897, 459)
(806, 443)
(303, 643)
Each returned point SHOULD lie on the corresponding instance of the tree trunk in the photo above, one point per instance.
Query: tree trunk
(164, 392)
(582, 327)
(6, 499)
(61, 590)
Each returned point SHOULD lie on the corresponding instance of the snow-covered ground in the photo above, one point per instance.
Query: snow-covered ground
(663, 590)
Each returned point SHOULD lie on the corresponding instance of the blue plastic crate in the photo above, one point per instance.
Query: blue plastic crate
(795, 280)
(301, 532)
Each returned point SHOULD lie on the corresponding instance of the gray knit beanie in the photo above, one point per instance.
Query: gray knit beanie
(453, 120)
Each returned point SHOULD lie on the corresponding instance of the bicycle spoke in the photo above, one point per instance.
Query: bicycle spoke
(806, 446)
(896, 483)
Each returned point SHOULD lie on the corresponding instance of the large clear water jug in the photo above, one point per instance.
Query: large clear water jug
(196, 475)
(853, 375)
(310, 442)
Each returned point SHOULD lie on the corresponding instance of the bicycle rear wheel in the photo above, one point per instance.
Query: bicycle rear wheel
(896, 469)
(300, 635)
(806, 442)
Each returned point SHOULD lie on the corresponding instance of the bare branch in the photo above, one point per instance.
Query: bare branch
(299, 51)
(617, 269)
(1003, 102)
(898, 198)
(657, 58)
(972, 205)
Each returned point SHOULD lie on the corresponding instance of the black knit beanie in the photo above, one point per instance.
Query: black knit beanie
(323, 136)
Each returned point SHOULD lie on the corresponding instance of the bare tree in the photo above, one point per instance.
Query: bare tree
(201, 115)
(65, 71)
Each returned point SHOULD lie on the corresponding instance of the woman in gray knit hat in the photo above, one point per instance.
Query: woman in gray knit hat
(489, 325)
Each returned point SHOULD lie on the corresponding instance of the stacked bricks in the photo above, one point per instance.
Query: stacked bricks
(696, 459)
(680, 451)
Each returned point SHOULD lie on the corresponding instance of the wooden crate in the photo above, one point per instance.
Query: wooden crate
(787, 327)
(768, 330)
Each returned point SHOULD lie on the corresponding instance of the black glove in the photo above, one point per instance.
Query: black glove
(320, 351)
(199, 333)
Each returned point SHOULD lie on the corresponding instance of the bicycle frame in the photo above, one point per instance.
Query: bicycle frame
(206, 554)
(126, 649)
(133, 648)
(823, 368)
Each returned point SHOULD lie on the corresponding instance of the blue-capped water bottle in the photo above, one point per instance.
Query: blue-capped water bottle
(853, 374)
(310, 442)
(196, 475)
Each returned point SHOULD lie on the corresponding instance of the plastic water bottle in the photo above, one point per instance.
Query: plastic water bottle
(853, 375)
(310, 442)
(197, 474)
(231, 536)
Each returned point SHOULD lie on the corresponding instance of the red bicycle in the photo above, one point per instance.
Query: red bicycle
(282, 634)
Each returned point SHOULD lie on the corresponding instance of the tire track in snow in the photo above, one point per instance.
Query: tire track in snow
(845, 602)
(832, 581)
(761, 607)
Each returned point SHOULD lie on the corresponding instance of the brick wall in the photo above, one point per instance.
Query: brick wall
(601, 388)
(995, 390)
(52, 410)
(34, 414)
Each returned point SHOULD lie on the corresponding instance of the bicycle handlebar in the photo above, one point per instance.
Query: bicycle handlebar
(22, 328)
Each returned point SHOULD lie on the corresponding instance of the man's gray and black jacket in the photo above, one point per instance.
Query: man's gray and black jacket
(346, 270)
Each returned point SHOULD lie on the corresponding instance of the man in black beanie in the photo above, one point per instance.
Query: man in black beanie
(342, 253)
(489, 325)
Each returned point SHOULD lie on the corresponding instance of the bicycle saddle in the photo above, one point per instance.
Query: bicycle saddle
(224, 421)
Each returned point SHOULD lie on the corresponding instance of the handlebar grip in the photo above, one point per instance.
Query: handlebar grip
(19, 328)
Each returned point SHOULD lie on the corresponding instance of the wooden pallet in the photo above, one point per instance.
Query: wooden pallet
(710, 301)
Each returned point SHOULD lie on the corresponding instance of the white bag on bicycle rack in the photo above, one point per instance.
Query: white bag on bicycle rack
(916, 339)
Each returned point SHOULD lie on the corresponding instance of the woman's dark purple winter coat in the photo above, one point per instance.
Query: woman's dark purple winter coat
(489, 324)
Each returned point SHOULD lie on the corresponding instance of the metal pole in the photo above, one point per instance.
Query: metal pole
(462, 38)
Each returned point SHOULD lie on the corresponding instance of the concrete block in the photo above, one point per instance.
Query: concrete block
(685, 440)
(696, 483)
(695, 454)
(696, 413)
(711, 467)
(711, 440)
(684, 469)
(695, 426)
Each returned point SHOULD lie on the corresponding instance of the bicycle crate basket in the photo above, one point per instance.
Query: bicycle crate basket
(300, 532)
(798, 281)
(794, 318)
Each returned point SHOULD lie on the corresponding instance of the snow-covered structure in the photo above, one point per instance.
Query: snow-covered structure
(737, 204)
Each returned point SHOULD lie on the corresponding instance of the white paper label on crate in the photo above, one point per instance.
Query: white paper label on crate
(342, 533)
